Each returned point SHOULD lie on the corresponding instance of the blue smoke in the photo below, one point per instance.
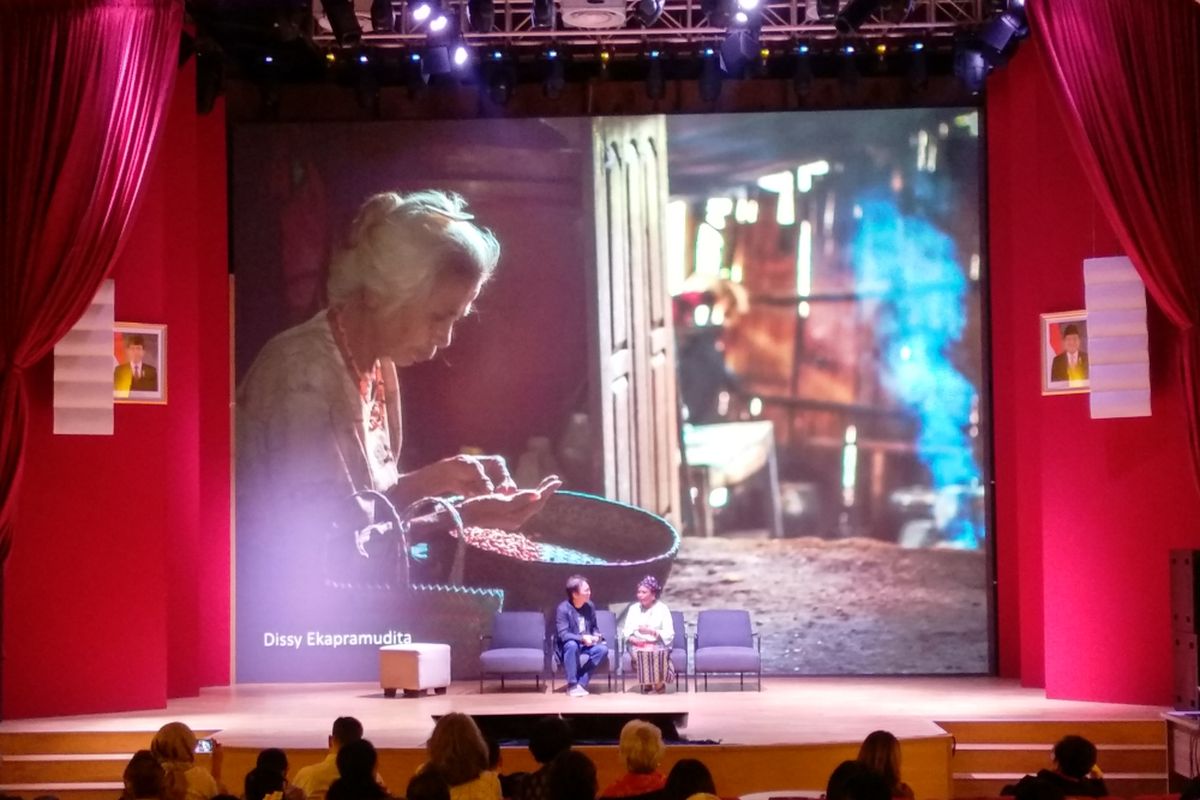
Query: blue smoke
(909, 264)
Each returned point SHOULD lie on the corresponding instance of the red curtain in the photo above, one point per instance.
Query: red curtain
(84, 86)
(1127, 74)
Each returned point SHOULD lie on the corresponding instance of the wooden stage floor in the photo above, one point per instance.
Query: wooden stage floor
(792, 711)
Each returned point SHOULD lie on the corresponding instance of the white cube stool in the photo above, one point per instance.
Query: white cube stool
(414, 668)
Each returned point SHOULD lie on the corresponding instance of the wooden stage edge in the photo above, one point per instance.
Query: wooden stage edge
(791, 734)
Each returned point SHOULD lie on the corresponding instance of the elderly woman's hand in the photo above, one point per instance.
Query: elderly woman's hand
(464, 476)
(508, 511)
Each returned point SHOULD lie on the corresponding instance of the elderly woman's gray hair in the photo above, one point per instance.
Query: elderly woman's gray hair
(400, 244)
(640, 746)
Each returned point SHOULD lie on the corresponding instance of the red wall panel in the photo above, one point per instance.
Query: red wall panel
(117, 589)
(1086, 509)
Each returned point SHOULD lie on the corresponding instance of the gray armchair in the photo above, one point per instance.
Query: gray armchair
(726, 642)
(515, 647)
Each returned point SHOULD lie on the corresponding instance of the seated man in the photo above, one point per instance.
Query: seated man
(1072, 776)
(577, 637)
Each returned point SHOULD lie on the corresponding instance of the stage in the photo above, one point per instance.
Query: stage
(789, 735)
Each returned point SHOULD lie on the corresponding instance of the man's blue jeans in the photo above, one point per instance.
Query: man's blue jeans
(573, 653)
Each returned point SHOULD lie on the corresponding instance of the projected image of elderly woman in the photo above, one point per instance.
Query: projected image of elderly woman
(318, 412)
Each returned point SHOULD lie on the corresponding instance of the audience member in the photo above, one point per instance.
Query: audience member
(549, 737)
(1074, 761)
(356, 763)
(175, 748)
(854, 780)
(572, 776)
(880, 752)
(272, 763)
(143, 777)
(457, 750)
(688, 777)
(1190, 790)
(427, 784)
(315, 780)
(261, 782)
(641, 749)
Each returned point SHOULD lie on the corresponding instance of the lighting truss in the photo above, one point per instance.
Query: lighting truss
(682, 23)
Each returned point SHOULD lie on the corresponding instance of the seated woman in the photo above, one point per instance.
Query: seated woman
(183, 779)
(641, 750)
(458, 751)
(880, 752)
(648, 629)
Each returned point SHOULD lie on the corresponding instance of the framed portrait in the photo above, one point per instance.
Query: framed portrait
(1064, 353)
(139, 363)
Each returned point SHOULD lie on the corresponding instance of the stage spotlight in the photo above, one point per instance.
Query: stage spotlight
(383, 19)
(439, 23)
(543, 13)
(421, 12)
(827, 9)
(970, 66)
(739, 47)
(482, 15)
(656, 80)
(848, 71)
(897, 11)
(710, 75)
(501, 77)
(342, 21)
(461, 56)
(918, 66)
(802, 74)
(1003, 30)
(648, 11)
(366, 89)
(717, 12)
(854, 14)
(555, 79)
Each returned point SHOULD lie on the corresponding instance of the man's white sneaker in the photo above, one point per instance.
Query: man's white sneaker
(577, 691)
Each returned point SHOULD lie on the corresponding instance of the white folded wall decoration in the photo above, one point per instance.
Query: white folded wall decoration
(1117, 341)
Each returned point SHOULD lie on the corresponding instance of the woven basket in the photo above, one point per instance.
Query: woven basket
(625, 544)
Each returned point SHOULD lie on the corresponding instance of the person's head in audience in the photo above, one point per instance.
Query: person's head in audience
(356, 763)
(345, 731)
(428, 784)
(572, 776)
(1190, 790)
(640, 747)
(550, 736)
(175, 748)
(174, 743)
(143, 776)
(493, 750)
(457, 749)
(272, 759)
(1074, 756)
(880, 751)
(853, 780)
(262, 781)
(688, 777)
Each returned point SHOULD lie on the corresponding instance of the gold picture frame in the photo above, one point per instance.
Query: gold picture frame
(1065, 368)
(139, 363)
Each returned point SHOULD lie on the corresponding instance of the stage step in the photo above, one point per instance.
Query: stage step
(1120, 784)
(102, 790)
(71, 766)
(1029, 758)
(990, 754)
(1144, 731)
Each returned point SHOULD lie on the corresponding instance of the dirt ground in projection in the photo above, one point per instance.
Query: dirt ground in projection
(850, 606)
